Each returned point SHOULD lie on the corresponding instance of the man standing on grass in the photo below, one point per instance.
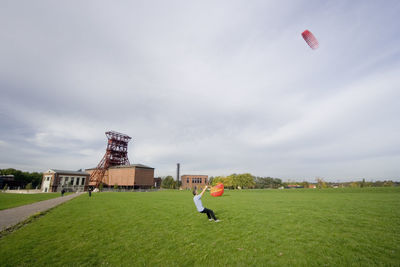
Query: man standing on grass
(199, 205)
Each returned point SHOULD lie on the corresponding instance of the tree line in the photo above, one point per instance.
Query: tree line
(354, 184)
(168, 182)
(23, 179)
(248, 181)
(233, 181)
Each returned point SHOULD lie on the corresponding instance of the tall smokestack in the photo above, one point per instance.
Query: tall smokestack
(178, 167)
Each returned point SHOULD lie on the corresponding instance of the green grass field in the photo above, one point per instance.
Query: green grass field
(306, 227)
(9, 200)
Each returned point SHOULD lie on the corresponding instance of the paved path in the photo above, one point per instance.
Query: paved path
(10, 217)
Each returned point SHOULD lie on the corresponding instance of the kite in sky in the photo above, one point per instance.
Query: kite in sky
(310, 39)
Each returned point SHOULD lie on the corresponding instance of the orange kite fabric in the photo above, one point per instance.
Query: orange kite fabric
(218, 190)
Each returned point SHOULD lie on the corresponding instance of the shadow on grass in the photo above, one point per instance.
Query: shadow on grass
(220, 212)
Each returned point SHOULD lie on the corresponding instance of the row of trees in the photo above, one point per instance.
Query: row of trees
(320, 183)
(363, 183)
(246, 180)
(24, 179)
(268, 182)
(234, 181)
(169, 183)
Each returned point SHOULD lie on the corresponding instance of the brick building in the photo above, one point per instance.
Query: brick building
(72, 181)
(191, 181)
(132, 176)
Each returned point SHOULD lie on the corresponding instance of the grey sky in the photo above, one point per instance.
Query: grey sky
(219, 86)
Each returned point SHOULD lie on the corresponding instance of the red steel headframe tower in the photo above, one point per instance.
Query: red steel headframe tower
(116, 154)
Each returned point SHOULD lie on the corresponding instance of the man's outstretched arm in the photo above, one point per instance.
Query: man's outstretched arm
(204, 190)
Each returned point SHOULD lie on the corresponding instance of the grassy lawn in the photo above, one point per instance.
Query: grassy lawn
(305, 227)
(9, 200)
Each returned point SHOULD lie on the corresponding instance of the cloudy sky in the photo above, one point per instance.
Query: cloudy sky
(219, 86)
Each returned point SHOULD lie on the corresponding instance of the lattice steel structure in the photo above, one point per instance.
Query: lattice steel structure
(116, 154)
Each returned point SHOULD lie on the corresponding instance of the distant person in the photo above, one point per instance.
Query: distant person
(90, 191)
(199, 205)
(62, 192)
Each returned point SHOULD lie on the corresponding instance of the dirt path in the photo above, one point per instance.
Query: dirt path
(11, 217)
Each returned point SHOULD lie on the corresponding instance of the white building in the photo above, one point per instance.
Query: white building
(72, 181)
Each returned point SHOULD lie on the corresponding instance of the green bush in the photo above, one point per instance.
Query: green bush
(168, 182)
(28, 186)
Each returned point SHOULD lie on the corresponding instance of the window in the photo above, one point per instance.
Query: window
(72, 181)
(77, 181)
(83, 181)
(48, 179)
(187, 180)
(200, 180)
(205, 180)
